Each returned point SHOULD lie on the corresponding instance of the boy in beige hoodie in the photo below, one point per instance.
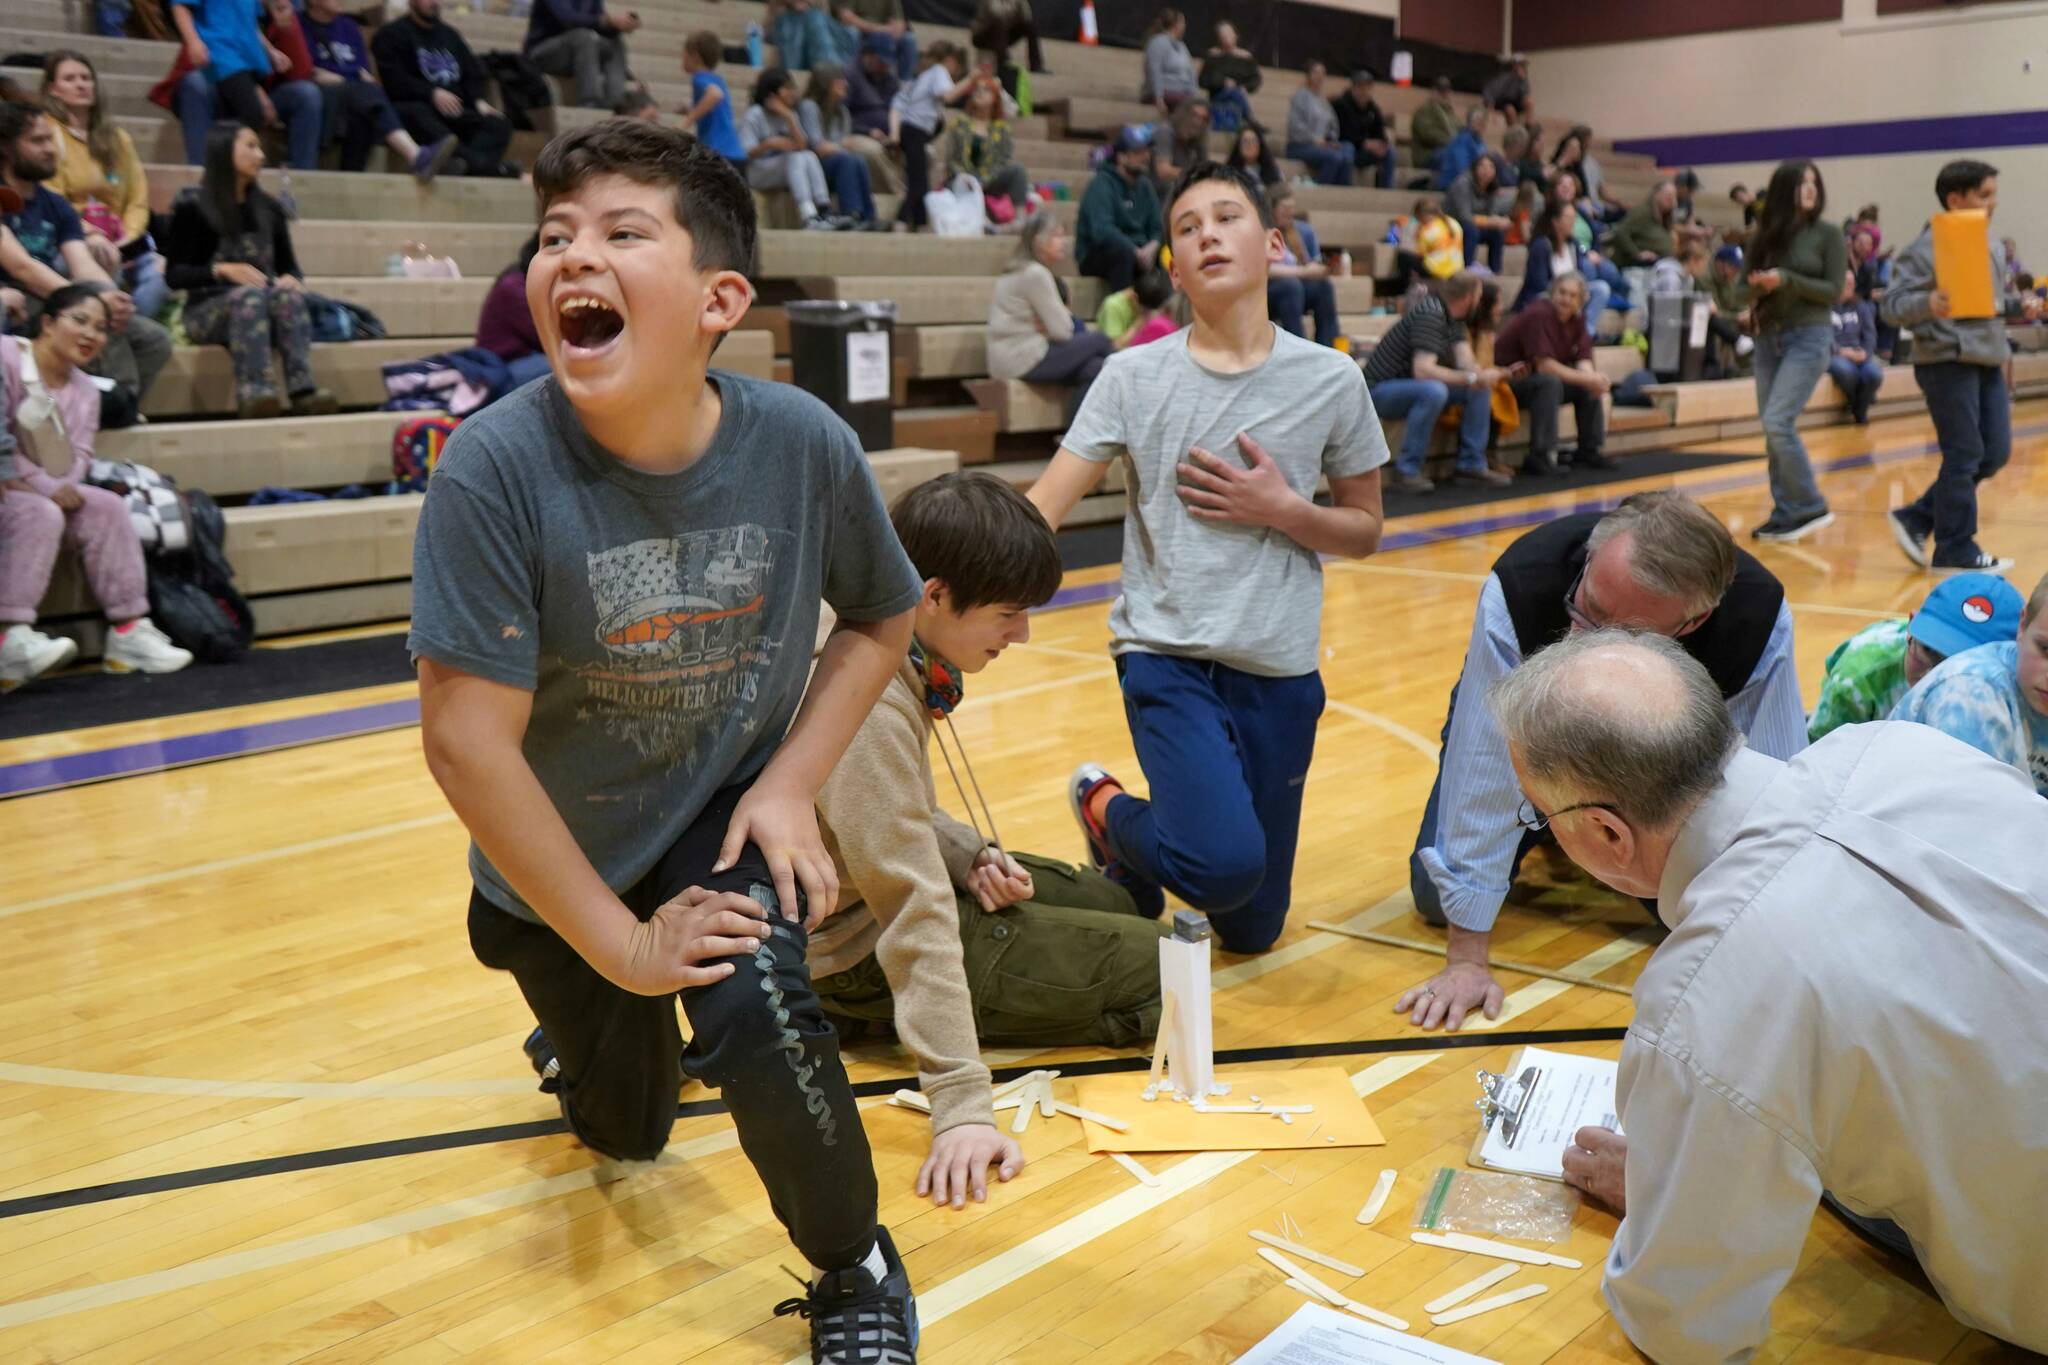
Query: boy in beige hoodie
(938, 928)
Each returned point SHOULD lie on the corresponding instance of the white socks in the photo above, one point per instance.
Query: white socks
(874, 1265)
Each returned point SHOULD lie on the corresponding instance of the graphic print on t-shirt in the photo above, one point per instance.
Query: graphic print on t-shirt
(682, 621)
(440, 68)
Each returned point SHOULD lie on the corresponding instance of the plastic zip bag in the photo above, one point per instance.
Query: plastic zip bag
(1492, 1204)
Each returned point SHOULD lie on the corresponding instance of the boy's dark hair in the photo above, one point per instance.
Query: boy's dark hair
(707, 47)
(1230, 175)
(1152, 289)
(1960, 177)
(771, 82)
(632, 102)
(712, 202)
(981, 538)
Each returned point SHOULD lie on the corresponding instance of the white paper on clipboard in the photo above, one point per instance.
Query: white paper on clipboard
(867, 367)
(1568, 1093)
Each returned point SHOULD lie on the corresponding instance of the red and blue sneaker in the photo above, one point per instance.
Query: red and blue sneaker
(1088, 779)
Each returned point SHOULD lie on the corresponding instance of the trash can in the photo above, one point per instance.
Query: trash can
(844, 352)
(1678, 336)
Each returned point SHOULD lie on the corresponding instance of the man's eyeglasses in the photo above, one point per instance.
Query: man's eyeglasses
(1579, 619)
(1533, 820)
(96, 326)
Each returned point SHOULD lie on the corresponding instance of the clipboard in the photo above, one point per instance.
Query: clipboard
(1962, 262)
(1535, 1104)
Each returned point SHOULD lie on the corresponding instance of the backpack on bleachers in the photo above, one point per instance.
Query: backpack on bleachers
(416, 448)
(192, 596)
(158, 510)
(340, 320)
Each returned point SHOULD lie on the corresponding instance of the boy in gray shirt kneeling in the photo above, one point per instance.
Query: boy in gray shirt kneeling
(1226, 428)
(616, 582)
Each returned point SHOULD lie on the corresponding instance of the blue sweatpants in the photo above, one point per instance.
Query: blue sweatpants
(1226, 754)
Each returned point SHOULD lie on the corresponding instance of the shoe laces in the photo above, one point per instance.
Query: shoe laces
(854, 1321)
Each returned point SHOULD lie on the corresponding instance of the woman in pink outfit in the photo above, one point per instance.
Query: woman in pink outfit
(52, 417)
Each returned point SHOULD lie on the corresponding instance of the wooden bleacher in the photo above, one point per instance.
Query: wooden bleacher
(339, 562)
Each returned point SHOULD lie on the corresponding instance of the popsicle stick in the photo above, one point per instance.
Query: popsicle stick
(1253, 1108)
(1046, 1102)
(1159, 1044)
(1025, 1109)
(1076, 1111)
(1480, 1246)
(1344, 1268)
(1527, 1291)
(910, 1099)
(1298, 1287)
(1295, 1272)
(1329, 1295)
(1444, 1303)
(1377, 1200)
(1138, 1173)
(1011, 1087)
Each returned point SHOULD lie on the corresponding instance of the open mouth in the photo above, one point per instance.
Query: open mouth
(1213, 263)
(589, 325)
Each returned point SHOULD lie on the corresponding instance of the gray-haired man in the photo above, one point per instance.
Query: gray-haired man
(1549, 357)
(1848, 1007)
(1660, 563)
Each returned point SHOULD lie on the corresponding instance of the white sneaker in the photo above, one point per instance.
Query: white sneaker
(142, 648)
(26, 654)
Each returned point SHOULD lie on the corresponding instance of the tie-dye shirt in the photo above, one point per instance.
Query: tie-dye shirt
(1975, 697)
(1865, 679)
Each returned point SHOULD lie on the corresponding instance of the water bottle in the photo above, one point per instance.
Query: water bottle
(754, 45)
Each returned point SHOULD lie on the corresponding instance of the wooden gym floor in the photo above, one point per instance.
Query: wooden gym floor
(218, 970)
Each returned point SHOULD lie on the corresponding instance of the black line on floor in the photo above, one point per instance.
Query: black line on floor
(516, 1132)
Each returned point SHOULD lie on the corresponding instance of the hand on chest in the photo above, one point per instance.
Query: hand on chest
(1293, 440)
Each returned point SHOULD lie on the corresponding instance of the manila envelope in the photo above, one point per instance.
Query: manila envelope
(1962, 262)
(1166, 1125)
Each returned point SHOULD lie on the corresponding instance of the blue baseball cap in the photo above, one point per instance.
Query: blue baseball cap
(1968, 610)
(1729, 255)
(1134, 137)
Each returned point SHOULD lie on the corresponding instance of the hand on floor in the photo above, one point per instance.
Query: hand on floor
(960, 1160)
(1446, 998)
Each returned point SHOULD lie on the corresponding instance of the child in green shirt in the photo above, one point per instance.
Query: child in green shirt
(1872, 669)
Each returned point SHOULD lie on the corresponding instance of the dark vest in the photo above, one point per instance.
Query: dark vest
(1539, 569)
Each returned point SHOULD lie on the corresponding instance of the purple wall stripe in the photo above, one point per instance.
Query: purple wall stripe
(132, 760)
(129, 760)
(1960, 132)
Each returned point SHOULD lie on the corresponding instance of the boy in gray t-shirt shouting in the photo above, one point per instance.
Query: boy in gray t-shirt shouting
(1226, 427)
(616, 582)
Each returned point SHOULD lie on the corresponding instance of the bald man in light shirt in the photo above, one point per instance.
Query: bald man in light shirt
(1852, 1004)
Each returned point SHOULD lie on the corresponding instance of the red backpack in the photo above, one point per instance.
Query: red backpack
(415, 448)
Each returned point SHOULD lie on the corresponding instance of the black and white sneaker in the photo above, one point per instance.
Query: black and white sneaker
(1786, 529)
(857, 1321)
(541, 1053)
(1983, 561)
(1913, 547)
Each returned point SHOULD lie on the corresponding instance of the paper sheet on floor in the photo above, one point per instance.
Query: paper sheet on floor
(1316, 1335)
(1165, 1125)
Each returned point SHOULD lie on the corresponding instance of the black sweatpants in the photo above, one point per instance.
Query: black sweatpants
(484, 137)
(759, 1036)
